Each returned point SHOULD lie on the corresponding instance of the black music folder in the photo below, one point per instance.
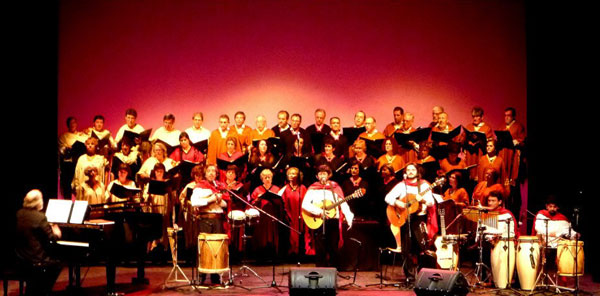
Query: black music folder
(477, 138)
(504, 140)
(159, 187)
(374, 147)
(239, 162)
(144, 136)
(417, 136)
(272, 143)
(121, 191)
(317, 141)
(352, 133)
(101, 141)
(202, 146)
(170, 148)
(445, 137)
(184, 168)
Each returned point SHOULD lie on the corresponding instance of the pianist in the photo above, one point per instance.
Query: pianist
(34, 234)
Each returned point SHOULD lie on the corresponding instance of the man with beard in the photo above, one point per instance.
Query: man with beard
(558, 224)
(422, 224)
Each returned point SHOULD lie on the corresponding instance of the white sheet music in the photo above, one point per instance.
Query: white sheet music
(58, 210)
(78, 212)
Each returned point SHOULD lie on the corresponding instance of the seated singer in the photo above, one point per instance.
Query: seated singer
(419, 223)
(328, 237)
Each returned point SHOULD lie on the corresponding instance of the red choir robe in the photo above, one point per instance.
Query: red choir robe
(193, 155)
(293, 202)
(241, 173)
(512, 157)
(397, 162)
(497, 164)
(460, 195)
(256, 135)
(408, 154)
(391, 128)
(446, 166)
(482, 191)
(267, 232)
(473, 158)
(245, 137)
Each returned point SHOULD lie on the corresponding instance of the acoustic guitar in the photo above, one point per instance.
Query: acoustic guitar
(314, 222)
(447, 258)
(397, 216)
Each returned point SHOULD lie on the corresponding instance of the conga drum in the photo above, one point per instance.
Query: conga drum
(236, 218)
(252, 215)
(213, 253)
(528, 261)
(565, 257)
(503, 262)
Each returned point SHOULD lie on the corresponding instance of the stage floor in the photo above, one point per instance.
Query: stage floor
(367, 283)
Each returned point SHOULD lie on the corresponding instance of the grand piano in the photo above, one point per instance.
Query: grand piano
(113, 233)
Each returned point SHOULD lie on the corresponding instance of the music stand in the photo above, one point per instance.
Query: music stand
(353, 284)
(400, 284)
(173, 277)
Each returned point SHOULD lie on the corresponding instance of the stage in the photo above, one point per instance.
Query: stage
(367, 283)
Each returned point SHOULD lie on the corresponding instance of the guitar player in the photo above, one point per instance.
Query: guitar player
(329, 240)
(412, 195)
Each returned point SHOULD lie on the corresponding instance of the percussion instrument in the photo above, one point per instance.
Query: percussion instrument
(236, 218)
(565, 257)
(213, 253)
(528, 261)
(503, 258)
(252, 216)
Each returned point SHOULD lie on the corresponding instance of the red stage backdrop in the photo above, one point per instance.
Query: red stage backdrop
(263, 56)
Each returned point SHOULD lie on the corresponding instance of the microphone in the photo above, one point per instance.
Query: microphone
(405, 176)
(323, 181)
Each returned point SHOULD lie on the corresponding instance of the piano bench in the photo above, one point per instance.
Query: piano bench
(13, 274)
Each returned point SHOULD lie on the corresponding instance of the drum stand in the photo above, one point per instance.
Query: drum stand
(543, 275)
(480, 267)
(244, 267)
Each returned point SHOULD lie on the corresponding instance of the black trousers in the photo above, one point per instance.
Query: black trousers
(414, 245)
(326, 244)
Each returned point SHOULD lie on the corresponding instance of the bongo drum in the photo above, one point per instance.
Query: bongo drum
(236, 218)
(528, 261)
(252, 215)
(565, 257)
(213, 253)
(503, 262)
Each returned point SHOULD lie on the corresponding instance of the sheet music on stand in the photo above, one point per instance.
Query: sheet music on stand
(66, 211)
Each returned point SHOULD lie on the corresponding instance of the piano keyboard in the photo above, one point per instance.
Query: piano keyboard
(73, 244)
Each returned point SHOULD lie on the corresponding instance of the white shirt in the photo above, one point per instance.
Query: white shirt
(402, 189)
(170, 137)
(197, 135)
(136, 129)
(318, 196)
(556, 229)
